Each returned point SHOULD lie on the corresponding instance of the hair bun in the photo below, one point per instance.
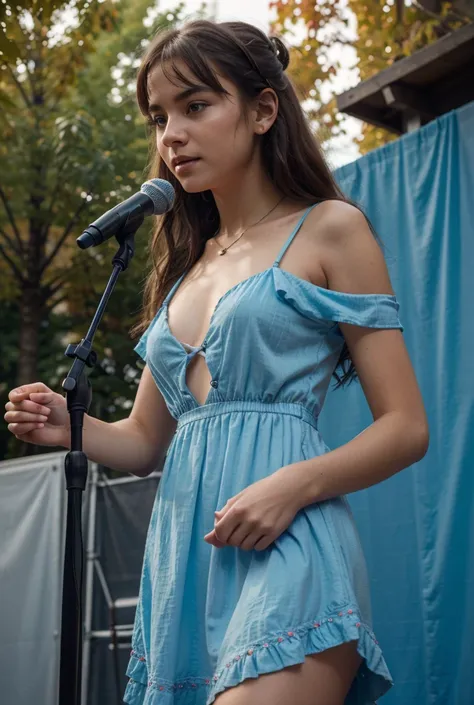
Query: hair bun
(282, 53)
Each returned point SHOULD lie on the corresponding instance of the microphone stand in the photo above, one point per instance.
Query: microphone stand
(79, 397)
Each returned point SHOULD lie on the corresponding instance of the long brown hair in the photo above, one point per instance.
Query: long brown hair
(290, 154)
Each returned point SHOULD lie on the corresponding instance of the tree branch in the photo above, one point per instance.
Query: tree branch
(63, 237)
(18, 84)
(336, 40)
(16, 271)
(53, 304)
(48, 291)
(55, 280)
(11, 219)
(56, 288)
(12, 244)
(434, 15)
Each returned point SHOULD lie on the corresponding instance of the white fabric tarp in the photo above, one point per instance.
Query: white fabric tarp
(32, 527)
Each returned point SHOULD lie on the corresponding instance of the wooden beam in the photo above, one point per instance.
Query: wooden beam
(406, 99)
(379, 118)
(411, 122)
(401, 69)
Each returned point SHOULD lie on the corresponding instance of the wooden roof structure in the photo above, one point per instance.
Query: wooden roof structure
(418, 88)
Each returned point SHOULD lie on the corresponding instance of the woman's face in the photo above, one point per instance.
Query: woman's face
(203, 125)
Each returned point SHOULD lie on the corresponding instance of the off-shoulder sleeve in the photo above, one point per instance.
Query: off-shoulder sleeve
(141, 347)
(317, 303)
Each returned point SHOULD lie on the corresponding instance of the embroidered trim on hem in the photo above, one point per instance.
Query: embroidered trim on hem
(297, 633)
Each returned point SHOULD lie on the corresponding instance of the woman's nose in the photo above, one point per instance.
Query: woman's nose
(173, 133)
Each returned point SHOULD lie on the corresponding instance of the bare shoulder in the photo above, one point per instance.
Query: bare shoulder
(351, 257)
(336, 216)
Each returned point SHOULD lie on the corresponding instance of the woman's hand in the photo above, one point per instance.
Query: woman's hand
(36, 414)
(258, 515)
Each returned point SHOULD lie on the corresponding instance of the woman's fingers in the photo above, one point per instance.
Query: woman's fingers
(28, 405)
(20, 429)
(21, 393)
(43, 397)
(25, 412)
(24, 417)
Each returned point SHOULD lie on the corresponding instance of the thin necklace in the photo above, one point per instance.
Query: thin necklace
(223, 250)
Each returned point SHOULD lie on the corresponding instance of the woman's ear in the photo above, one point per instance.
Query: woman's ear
(265, 111)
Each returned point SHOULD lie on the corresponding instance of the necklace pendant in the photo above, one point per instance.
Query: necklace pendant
(223, 251)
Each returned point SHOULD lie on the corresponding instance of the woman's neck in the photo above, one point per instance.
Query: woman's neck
(243, 201)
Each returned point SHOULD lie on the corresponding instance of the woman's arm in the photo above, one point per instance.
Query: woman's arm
(399, 436)
(137, 444)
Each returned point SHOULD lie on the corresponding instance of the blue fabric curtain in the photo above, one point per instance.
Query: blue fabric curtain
(417, 528)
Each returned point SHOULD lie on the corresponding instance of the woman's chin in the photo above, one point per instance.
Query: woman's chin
(194, 185)
(191, 188)
(195, 181)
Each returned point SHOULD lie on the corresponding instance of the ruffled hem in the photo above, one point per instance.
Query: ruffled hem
(276, 652)
(137, 686)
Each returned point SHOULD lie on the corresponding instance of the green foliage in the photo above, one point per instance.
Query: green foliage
(74, 144)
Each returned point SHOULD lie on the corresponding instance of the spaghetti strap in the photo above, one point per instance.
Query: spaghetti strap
(290, 239)
(275, 264)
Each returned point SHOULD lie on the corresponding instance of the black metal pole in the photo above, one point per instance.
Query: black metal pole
(79, 397)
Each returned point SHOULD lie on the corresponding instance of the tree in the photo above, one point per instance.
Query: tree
(385, 33)
(51, 161)
(74, 143)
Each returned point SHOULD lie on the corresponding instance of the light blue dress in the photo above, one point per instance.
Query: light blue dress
(208, 618)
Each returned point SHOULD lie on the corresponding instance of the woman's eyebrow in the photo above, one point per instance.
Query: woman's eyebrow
(182, 96)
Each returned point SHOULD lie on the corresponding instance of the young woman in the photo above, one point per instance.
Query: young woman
(265, 282)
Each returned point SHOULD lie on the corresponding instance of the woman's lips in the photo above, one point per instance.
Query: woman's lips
(180, 168)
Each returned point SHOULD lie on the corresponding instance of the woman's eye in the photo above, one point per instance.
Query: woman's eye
(160, 120)
(196, 105)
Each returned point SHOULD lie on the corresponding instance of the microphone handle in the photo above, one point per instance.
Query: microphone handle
(109, 223)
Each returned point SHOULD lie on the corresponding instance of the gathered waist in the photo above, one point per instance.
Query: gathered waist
(225, 407)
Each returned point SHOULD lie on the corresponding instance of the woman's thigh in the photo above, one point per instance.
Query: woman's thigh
(323, 679)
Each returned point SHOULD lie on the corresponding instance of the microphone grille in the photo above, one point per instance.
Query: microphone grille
(161, 193)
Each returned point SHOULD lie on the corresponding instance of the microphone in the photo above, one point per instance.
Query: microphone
(154, 198)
